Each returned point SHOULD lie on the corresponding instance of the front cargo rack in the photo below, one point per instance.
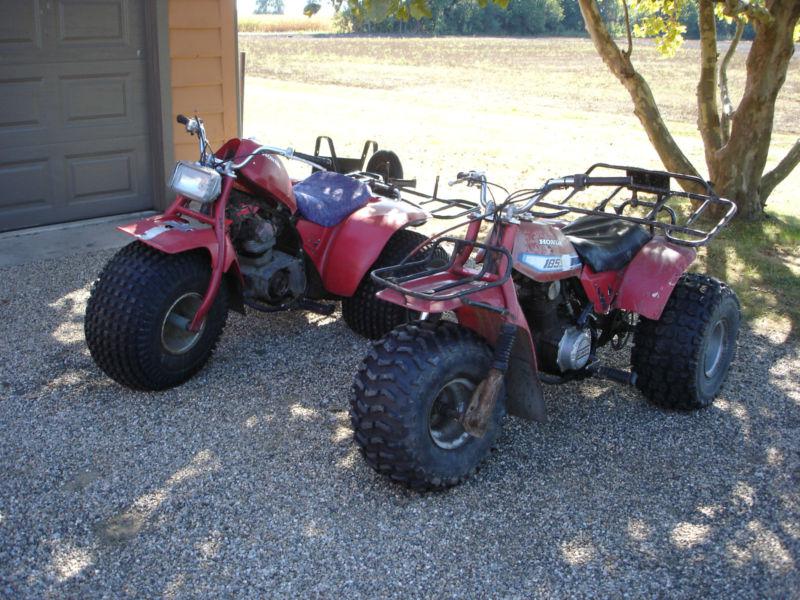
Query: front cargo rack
(689, 230)
(455, 280)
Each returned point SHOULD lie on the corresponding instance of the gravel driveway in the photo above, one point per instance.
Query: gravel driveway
(245, 481)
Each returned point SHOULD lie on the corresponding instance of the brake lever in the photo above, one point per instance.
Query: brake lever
(472, 178)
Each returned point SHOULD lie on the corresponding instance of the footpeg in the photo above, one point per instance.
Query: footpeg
(316, 307)
(618, 375)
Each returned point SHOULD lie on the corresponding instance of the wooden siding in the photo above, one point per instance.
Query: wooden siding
(203, 58)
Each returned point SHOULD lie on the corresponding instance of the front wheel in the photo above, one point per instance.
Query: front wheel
(408, 395)
(682, 359)
(137, 314)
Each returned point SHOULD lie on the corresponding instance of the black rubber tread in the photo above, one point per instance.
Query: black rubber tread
(667, 354)
(393, 391)
(379, 161)
(126, 308)
(363, 312)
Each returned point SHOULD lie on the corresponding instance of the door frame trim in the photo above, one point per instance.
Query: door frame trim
(159, 98)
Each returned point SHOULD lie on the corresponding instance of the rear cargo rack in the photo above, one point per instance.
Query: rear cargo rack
(438, 207)
(463, 281)
(689, 231)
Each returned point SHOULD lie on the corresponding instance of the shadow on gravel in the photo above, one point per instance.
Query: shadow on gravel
(245, 480)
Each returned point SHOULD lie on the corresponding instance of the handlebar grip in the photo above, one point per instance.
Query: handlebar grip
(607, 181)
(183, 119)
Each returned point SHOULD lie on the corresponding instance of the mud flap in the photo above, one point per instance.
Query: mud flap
(523, 388)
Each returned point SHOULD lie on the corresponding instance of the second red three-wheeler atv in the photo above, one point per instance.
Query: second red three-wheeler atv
(242, 233)
(532, 303)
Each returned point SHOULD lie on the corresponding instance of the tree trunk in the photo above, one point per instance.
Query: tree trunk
(738, 167)
(645, 107)
(735, 163)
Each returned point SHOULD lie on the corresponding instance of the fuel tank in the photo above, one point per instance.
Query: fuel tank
(263, 175)
(543, 253)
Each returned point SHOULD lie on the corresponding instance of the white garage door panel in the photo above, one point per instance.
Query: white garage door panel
(73, 106)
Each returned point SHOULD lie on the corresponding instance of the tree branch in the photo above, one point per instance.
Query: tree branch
(724, 93)
(707, 109)
(738, 8)
(629, 51)
(645, 107)
(780, 172)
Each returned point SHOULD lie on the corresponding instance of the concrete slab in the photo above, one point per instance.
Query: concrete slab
(65, 239)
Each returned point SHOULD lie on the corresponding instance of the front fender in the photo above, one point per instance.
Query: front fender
(172, 236)
(345, 253)
(651, 276)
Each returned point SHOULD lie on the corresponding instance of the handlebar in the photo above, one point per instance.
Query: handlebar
(289, 153)
(581, 180)
(476, 178)
(471, 177)
(195, 126)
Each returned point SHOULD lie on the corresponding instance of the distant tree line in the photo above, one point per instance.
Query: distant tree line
(521, 17)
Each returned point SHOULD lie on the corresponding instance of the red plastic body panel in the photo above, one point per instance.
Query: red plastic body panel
(264, 174)
(601, 288)
(543, 253)
(650, 277)
(175, 241)
(644, 286)
(343, 254)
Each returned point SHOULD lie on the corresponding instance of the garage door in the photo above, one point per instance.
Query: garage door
(73, 111)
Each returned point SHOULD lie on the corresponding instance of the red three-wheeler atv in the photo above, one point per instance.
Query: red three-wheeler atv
(242, 233)
(532, 303)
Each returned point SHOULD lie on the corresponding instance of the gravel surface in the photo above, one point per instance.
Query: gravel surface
(245, 480)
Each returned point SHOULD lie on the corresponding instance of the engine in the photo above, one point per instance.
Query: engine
(552, 312)
(272, 273)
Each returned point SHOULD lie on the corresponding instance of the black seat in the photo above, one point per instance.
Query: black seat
(605, 243)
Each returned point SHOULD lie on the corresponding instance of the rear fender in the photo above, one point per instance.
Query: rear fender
(174, 236)
(345, 253)
(649, 279)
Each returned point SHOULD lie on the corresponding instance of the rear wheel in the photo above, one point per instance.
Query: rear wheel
(682, 359)
(138, 312)
(385, 163)
(408, 395)
(367, 315)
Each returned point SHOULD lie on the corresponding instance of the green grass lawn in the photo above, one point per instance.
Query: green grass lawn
(762, 263)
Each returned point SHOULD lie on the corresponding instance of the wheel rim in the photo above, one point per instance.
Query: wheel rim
(715, 349)
(443, 424)
(175, 335)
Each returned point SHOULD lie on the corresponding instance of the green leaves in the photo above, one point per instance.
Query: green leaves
(403, 10)
(659, 19)
(500, 3)
(311, 9)
(419, 9)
